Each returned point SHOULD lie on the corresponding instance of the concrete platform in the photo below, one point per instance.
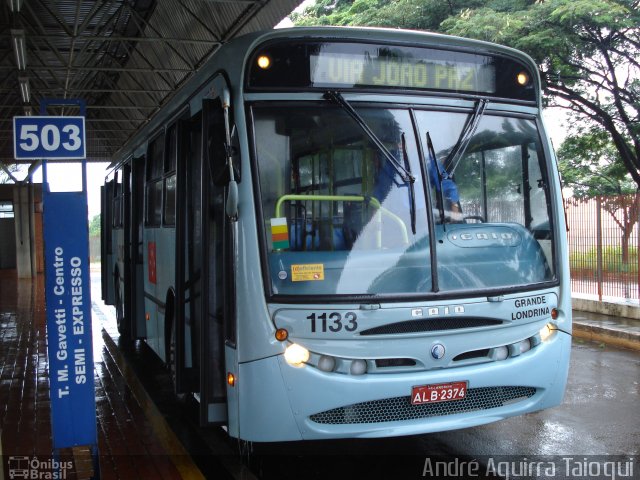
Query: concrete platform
(612, 321)
(129, 447)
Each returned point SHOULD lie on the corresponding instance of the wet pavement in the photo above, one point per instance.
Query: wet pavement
(144, 432)
(128, 446)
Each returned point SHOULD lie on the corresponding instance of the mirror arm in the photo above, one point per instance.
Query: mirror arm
(231, 206)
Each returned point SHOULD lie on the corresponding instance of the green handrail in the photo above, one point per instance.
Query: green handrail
(346, 198)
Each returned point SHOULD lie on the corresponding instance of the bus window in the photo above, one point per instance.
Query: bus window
(501, 188)
(332, 200)
(118, 201)
(153, 186)
(170, 177)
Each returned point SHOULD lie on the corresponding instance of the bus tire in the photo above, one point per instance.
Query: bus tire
(170, 344)
(121, 321)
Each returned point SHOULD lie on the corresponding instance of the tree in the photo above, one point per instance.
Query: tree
(589, 57)
(411, 14)
(588, 51)
(6, 173)
(94, 226)
(591, 166)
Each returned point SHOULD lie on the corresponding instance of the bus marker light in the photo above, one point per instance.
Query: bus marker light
(554, 313)
(358, 367)
(147, 317)
(296, 355)
(264, 62)
(231, 379)
(525, 345)
(326, 363)
(522, 78)
(282, 334)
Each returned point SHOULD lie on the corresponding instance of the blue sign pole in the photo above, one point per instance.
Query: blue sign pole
(67, 283)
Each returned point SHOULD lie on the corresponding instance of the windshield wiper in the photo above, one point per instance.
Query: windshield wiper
(405, 173)
(467, 132)
(441, 177)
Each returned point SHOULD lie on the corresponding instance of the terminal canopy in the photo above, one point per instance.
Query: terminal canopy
(124, 58)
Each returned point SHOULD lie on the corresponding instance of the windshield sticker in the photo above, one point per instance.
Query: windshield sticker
(307, 273)
(279, 233)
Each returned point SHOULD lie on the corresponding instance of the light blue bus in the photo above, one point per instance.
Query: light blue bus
(341, 232)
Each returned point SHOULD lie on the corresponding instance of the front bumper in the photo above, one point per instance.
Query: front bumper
(279, 402)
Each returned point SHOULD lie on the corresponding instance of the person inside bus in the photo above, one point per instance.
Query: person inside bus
(446, 191)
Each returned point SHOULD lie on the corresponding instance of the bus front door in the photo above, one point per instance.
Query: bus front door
(135, 245)
(199, 271)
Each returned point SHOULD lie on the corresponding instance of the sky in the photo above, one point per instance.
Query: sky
(67, 177)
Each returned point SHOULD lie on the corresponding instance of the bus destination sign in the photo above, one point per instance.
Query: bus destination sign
(374, 68)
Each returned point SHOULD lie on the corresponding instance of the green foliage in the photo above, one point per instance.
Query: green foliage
(588, 51)
(411, 14)
(94, 226)
(585, 263)
(591, 165)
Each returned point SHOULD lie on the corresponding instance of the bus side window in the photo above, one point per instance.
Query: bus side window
(170, 177)
(153, 186)
(117, 217)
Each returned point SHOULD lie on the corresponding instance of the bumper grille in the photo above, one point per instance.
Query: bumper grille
(400, 408)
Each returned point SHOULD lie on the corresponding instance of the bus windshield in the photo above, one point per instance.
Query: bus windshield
(337, 214)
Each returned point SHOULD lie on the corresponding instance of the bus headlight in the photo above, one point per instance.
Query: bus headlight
(296, 355)
(546, 332)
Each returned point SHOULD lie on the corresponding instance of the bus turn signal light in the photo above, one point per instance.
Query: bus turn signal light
(282, 334)
(231, 379)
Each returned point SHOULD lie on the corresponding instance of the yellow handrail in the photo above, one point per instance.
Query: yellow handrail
(345, 198)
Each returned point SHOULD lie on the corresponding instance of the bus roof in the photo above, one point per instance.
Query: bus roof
(226, 58)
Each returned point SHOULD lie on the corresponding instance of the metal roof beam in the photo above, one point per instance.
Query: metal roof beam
(99, 69)
(119, 38)
(54, 91)
(136, 16)
(44, 4)
(197, 19)
(108, 107)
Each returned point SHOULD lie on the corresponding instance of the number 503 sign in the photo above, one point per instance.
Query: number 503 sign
(36, 138)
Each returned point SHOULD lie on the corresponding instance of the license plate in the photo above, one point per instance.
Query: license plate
(441, 392)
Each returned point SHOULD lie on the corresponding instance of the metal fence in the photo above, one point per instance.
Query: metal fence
(603, 246)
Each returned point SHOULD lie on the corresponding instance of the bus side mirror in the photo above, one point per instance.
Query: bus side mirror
(219, 145)
(231, 207)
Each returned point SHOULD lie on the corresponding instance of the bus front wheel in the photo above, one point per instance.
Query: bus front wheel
(121, 321)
